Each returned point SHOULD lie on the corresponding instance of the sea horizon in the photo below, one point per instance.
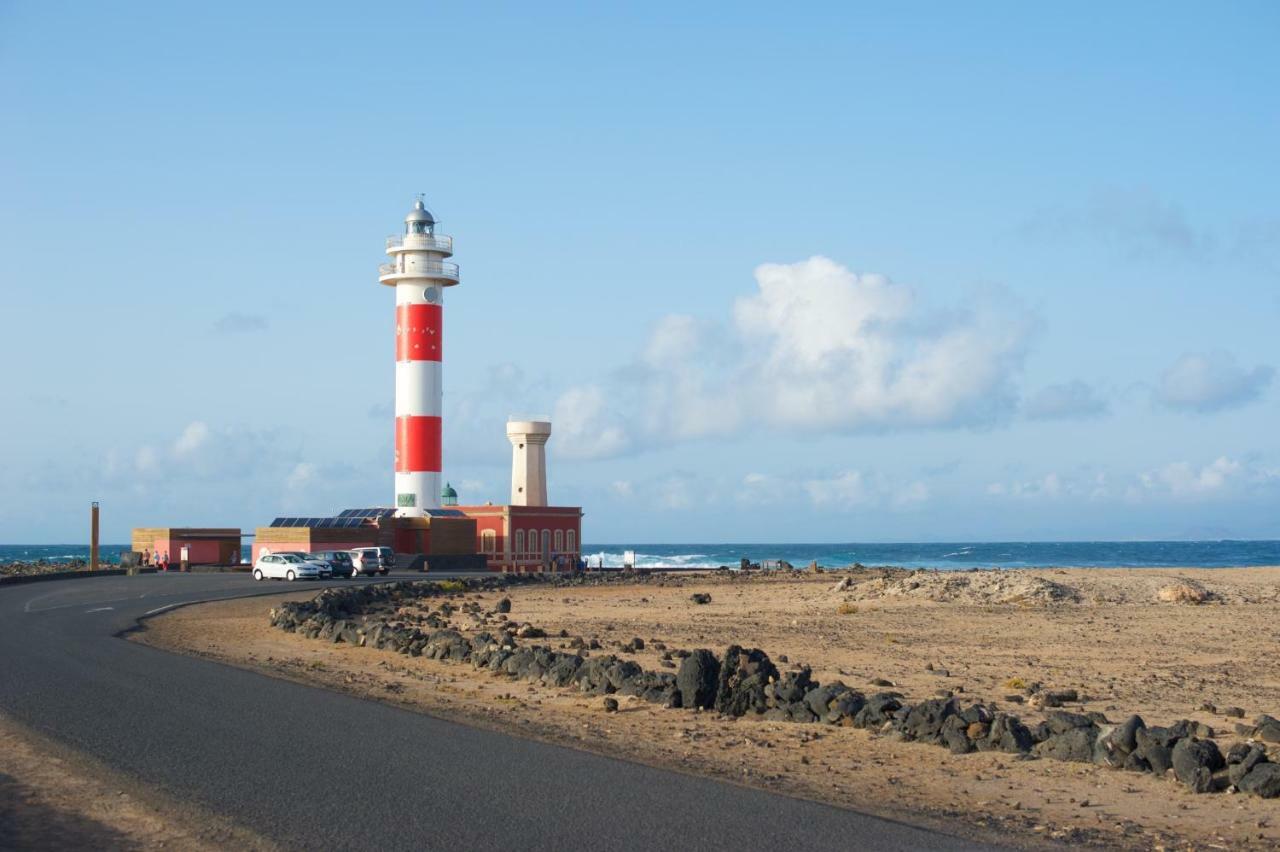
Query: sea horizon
(956, 555)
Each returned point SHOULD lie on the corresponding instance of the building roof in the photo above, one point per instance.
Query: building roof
(447, 493)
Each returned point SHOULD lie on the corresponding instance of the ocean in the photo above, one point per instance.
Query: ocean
(943, 555)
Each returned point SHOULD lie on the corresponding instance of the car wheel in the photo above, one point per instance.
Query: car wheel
(257, 573)
(290, 576)
(385, 571)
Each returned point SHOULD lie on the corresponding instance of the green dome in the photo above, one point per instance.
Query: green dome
(448, 496)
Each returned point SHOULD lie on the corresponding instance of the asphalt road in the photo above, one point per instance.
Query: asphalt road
(315, 769)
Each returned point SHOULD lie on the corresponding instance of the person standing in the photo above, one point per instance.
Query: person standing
(164, 565)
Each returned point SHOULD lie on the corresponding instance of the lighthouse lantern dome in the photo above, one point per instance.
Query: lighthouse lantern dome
(419, 220)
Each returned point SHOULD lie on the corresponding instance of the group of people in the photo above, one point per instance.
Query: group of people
(155, 560)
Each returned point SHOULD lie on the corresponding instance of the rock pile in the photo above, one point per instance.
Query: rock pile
(744, 682)
(973, 587)
(1183, 592)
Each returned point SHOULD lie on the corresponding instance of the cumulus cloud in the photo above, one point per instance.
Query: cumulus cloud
(853, 489)
(1222, 478)
(815, 348)
(1182, 479)
(236, 322)
(1211, 381)
(1070, 401)
(586, 427)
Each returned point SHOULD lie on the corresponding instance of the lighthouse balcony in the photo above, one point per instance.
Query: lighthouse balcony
(420, 242)
(393, 273)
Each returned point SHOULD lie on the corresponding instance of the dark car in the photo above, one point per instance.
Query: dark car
(339, 561)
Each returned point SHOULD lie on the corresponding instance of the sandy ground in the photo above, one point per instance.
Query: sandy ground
(1101, 632)
(53, 798)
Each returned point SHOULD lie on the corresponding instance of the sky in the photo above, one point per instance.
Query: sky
(835, 273)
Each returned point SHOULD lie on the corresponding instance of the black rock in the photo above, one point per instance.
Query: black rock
(1060, 722)
(700, 598)
(1195, 761)
(611, 705)
(879, 709)
(1007, 734)
(1115, 745)
(792, 686)
(697, 679)
(1074, 744)
(1263, 780)
(1241, 760)
(504, 605)
(924, 722)
(953, 735)
(745, 674)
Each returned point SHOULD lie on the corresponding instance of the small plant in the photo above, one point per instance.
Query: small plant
(1015, 683)
(847, 608)
(450, 586)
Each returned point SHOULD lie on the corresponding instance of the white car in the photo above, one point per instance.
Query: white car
(368, 560)
(286, 566)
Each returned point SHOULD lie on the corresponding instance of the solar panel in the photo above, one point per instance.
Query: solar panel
(376, 512)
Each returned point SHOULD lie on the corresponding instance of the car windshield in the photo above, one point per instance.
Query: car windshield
(291, 557)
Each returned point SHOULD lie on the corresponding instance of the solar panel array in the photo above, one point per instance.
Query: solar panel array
(444, 513)
(326, 523)
(377, 512)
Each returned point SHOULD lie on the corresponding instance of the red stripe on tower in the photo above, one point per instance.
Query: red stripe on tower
(418, 335)
(417, 444)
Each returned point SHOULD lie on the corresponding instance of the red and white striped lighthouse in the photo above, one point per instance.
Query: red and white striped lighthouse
(419, 273)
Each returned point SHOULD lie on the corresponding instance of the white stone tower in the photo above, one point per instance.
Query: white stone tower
(419, 274)
(528, 461)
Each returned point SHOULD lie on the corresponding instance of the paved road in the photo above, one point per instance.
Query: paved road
(316, 769)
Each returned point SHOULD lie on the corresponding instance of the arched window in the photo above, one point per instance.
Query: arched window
(489, 542)
(571, 542)
(559, 548)
(546, 543)
(519, 544)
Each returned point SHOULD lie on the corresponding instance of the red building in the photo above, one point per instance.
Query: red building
(528, 538)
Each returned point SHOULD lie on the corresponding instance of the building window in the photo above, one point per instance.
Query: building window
(519, 544)
(559, 541)
(546, 542)
(571, 541)
(489, 542)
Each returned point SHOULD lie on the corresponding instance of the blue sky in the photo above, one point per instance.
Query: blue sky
(847, 273)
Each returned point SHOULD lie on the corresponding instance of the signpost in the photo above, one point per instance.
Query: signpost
(93, 536)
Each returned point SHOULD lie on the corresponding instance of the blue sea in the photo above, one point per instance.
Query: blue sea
(1009, 554)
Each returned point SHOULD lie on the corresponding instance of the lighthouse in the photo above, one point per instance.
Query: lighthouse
(419, 273)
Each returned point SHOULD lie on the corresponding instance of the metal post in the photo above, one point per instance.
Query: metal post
(93, 536)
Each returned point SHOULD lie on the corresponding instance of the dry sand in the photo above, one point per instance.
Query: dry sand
(1102, 632)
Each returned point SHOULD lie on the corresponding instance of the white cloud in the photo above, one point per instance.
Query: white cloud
(852, 489)
(816, 348)
(1182, 479)
(301, 477)
(195, 436)
(1211, 381)
(623, 488)
(585, 427)
(1222, 478)
(1070, 401)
